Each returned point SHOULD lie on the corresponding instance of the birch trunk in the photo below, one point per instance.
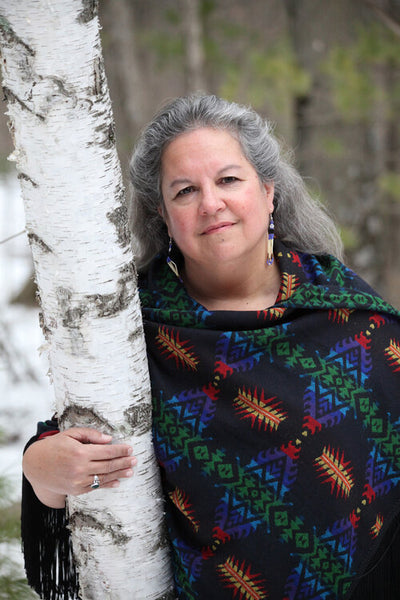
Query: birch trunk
(61, 122)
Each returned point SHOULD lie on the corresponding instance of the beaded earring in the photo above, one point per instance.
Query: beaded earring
(171, 263)
(270, 243)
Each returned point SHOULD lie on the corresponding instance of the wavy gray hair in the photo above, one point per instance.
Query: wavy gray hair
(300, 221)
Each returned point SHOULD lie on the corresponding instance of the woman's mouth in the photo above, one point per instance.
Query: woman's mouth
(217, 227)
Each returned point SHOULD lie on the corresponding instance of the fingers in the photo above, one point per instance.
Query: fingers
(110, 467)
(86, 435)
(111, 480)
(107, 452)
(96, 445)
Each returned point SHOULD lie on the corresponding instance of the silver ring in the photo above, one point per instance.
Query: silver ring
(96, 482)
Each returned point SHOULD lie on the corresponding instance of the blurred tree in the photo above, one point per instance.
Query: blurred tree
(194, 45)
(364, 81)
(124, 70)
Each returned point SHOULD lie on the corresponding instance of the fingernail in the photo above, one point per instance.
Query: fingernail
(129, 473)
(130, 450)
(115, 484)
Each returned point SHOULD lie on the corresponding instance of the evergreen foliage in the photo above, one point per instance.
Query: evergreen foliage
(12, 585)
(351, 71)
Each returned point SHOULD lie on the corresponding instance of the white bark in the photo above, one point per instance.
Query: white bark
(61, 122)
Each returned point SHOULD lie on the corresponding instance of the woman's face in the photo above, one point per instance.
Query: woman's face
(215, 207)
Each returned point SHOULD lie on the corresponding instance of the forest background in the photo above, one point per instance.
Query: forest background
(326, 73)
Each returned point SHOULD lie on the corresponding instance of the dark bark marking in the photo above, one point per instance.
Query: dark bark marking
(110, 304)
(73, 316)
(75, 415)
(90, 10)
(61, 87)
(139, 418)
(107, 131)
(100, 305)
(81, 520)
(11, 38)
(11, 97)
(26, 177)
(109, 137)
(45, 329)
(119, 218)
(132, 337)
(99, 76)
(34, 238)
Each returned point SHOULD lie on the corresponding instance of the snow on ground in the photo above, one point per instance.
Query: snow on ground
(25, 392)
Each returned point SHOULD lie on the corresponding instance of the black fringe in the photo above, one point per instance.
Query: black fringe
(381, 580)
(47, 548)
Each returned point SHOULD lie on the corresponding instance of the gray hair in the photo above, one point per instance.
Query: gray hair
(300, 221)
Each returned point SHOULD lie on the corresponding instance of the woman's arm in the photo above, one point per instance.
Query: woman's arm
(65, 463)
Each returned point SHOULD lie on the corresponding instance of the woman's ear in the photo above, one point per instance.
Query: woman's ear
(270, 192)
(161, 212)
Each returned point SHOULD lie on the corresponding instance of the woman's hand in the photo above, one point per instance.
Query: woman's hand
(65, 464)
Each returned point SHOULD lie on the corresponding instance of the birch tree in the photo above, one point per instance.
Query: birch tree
(61, 123)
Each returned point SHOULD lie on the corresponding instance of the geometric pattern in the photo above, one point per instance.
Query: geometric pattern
(335, 471)
(277, 432)
(245, 584)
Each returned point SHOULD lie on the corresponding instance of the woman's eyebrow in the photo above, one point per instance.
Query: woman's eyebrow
(228, 168)
(179, 182)
(185, 181)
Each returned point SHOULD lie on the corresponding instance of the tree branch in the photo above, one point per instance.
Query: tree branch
(385, 18)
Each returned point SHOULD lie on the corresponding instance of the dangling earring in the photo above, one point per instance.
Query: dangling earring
(270, 243)
(171, 263)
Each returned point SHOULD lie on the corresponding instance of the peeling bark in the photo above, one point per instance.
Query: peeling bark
(63, 131)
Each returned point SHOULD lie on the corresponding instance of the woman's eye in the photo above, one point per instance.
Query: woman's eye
(187, 190)
(229, 179)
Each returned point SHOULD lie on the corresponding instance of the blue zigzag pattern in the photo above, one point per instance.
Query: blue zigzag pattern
(323, 405)
(381, 475)
(193, 407)
(276, 468)
(190, 559)
(237, 351)
(303, 585)
(235, 518)
(353, 359)
(342, 539)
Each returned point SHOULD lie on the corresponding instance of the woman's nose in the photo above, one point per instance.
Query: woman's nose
(211, 200)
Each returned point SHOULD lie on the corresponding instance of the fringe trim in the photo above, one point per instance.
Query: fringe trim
(47, 548)
(381, 580)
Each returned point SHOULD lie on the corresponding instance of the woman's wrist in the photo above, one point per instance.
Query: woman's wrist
(49, 498)
(29, 466)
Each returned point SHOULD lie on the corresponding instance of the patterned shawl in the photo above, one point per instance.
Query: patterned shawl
(277, 432)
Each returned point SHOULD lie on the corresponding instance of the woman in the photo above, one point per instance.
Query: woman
(274, 373)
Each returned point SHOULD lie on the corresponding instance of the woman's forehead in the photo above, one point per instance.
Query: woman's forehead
(202, 140)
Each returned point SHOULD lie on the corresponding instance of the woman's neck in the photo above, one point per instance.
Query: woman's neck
(232, 288)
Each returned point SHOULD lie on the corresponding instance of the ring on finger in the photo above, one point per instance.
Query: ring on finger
(96, 482)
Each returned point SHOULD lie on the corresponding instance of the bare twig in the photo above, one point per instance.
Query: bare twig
(385, 17)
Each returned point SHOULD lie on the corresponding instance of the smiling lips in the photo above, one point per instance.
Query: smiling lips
(217, 227)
